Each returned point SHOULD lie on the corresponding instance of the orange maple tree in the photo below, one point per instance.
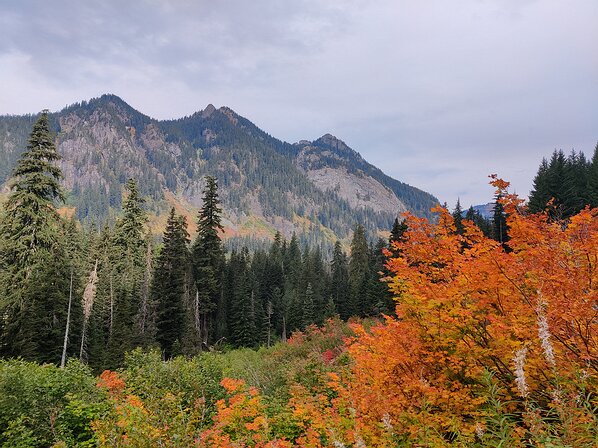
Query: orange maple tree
(467, 308)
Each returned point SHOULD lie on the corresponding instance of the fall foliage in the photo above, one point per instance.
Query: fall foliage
(491, 345)
(475, 320)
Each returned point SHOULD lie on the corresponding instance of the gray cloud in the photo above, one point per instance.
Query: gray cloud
(439, 94)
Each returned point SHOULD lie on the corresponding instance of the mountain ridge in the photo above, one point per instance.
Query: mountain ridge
(319, 189)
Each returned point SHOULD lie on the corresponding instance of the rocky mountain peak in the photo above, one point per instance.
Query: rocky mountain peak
(108, 107)
(329, 141)
(209, 110)
(230, 114)
(109, 100)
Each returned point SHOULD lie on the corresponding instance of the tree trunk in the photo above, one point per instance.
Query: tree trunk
(68, 323)
(111, 307)
(144, 312)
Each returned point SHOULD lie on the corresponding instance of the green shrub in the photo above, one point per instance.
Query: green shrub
(41, 405)
(150, 378)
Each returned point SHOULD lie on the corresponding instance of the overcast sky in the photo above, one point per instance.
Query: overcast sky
(437, 93)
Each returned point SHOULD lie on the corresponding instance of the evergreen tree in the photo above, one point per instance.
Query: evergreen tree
(294, 304)
(593, 179)
(339, 284)
(75, 253)
(329, 309)
(398, 231)
(292, 263)
(499, 222)
(208, 260)
(576, 193)
(564, 185)
(557, 170)
(127, 308)
(267, 323)
(275, 280)
(168, 284)
(540, 195)
(380, 295)
(101, 319)
(550, 184)
(314, 275)
(242, 307)
(308, 316)
(34, 266)
(359, 274)
(458, 218)
(483, 223)
(397, 235)
(278, 310)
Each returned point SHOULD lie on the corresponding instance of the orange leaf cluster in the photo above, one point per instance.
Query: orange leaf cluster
(466, 306)
(240, 420)
(111, 381)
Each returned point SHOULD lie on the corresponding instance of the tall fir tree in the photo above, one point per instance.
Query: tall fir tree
(34, 266)
(339, 283)
(208, 261)
(593, 179)
(540, 195)
(125, 276)
(359, 274)
(292, 263)
(308, 315)
(242, 326)
(168, 284)
(275, 273)
(458, 218)
(314, 275)
(380, 296)
(565, 185)
(101, 318)
(550, 187)
(499, 222)
(398, 231)
(576, 184)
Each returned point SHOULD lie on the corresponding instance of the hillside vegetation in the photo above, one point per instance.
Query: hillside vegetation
(104, 142)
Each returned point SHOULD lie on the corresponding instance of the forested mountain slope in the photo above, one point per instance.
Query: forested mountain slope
(318, 189)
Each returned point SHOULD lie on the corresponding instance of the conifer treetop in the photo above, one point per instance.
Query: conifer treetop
(35, 173)
(209, 215)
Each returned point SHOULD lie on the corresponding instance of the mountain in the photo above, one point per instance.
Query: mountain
(486, 210)
(319, 189)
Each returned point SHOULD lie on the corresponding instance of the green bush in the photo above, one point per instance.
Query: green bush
(150, 378)
(41, 405)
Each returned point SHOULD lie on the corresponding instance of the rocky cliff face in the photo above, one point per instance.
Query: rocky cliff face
(318, 189)
(348, 182)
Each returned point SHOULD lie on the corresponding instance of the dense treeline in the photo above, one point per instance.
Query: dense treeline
(120, 290)
(564, 185)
